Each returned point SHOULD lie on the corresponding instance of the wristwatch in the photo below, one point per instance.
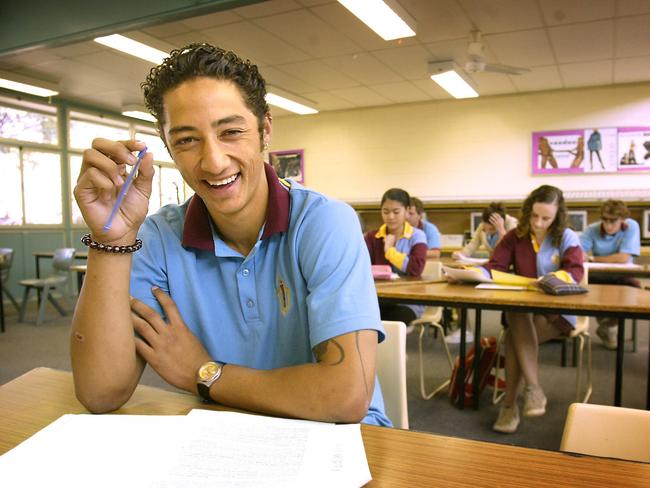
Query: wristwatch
(207, 374)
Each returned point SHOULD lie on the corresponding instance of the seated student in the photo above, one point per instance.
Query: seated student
(397, 243)
(415, 216)
(615, 238)
(541, 244)
(241, 295)
(495, 223)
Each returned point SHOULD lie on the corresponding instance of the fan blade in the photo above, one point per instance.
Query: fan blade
(505, 69)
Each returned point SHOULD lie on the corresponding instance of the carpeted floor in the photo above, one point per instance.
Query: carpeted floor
(24, 346)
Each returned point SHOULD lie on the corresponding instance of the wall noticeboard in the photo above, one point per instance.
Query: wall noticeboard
(591, 151)
(289, 164)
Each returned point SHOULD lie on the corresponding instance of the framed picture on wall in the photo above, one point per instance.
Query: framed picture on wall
(577, 220)
(645, 228)
(289, 164)
(475, 220)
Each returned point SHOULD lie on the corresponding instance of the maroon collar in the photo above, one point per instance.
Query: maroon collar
(197, 232)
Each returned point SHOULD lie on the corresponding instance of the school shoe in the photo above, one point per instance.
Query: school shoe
(454, 337)
(508, 419)
(607, 335)
(534, 401)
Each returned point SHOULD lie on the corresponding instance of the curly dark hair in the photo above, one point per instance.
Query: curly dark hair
(544, 194)
(493, 207)
(202, 59)
(397, 195)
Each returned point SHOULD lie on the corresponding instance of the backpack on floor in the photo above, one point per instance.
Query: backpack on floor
(485, 370)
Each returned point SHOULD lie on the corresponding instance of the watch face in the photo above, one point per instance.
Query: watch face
(208, 370)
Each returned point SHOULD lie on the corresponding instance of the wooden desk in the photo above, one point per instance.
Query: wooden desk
(639, 271)
(620, 302)
(397, 458)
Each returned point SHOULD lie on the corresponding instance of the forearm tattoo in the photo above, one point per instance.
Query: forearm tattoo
(321, 349)
(363, 366)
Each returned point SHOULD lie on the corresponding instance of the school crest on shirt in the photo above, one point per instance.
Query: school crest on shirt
(555, 259)
(283, 293)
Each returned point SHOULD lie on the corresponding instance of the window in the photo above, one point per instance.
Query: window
(83, 128)
(28, 126)
(155, 145)
(11, 199)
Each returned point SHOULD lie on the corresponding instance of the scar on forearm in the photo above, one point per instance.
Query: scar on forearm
(322, 348)
(363, 366)
(79, 336)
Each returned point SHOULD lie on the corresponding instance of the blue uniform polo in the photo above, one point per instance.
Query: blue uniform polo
(626, 240)
(432, 233)
(306, 280)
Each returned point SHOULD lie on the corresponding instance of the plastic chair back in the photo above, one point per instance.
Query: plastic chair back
(62, 260)
(5, 263)
(391, 371)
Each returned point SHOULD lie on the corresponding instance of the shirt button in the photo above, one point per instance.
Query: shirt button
(245, 272)
(250, 303)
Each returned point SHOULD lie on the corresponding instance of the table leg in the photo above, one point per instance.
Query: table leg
(647, 394)
(38, 275)
(80, 281)
(620, 348)
(460, 379)
(2, 309)
(477, 359)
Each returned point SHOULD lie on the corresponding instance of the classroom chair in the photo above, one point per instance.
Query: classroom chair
(602, 430)
(57, 281)
(391, 372)
(5, 268)
(581, 337)
(431, 319)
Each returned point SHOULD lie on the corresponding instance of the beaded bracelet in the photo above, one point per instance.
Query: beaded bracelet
(87, 241)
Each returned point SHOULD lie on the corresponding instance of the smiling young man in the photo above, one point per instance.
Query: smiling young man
(245, 295)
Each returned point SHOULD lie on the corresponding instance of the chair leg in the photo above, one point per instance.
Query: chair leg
(12, 299)
(443, 385)
(580, 343)
(41, 309)
(497, 394)
(56, 304)
(589, 380)
(23, 306)
(635, 337)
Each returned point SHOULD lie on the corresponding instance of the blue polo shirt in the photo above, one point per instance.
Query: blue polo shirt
(432, 233)
(306, 280)
(626, 240)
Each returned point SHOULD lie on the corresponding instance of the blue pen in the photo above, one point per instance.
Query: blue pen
(125, 188)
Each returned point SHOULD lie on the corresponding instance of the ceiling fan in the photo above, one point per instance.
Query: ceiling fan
(475, 62)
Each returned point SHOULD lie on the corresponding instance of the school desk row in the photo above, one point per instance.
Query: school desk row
(397, 458)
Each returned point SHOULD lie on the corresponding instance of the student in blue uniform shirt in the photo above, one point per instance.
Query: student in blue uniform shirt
(616, 239)
(246, 294)
(415, 216)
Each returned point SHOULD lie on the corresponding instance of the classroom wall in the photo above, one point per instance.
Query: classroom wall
(476, 148)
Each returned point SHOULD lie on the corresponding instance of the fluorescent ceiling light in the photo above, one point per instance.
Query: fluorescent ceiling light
(386, 17)
(134, 48)
(292, 103)
(138, 114)
(451, 78)
(23, 84)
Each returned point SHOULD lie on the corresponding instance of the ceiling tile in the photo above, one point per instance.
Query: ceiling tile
(540, 78)
(318, 74)
(587, 74)
(287, 82)
(211, 20)
(327, 101)
(117, 65)
(361, 96)
(629, 70)
(633, 36)
(633, 7)
(431, 88)
(410, 61)
(163, 31)
(562, 12)
(364, 68)
(313, 3)
(401, 92)
(250, 41)
(438, 20)
(30, 58)
(493, 83)
(74, 50)
(524, 48)
(263, 9)
(455, 49)
(313, 35)
(583, 42)
(502, 15)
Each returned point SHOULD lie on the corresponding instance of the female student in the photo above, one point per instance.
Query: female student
(614, 239)
(401, 246)
(495, 223)
(541, 244)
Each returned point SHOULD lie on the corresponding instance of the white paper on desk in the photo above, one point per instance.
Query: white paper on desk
(466, 275)
(613, 265)
(469, 260)
(240, 450)
(496, 286)
(94, 450)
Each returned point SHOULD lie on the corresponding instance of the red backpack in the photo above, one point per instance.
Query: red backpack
(485, 370)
